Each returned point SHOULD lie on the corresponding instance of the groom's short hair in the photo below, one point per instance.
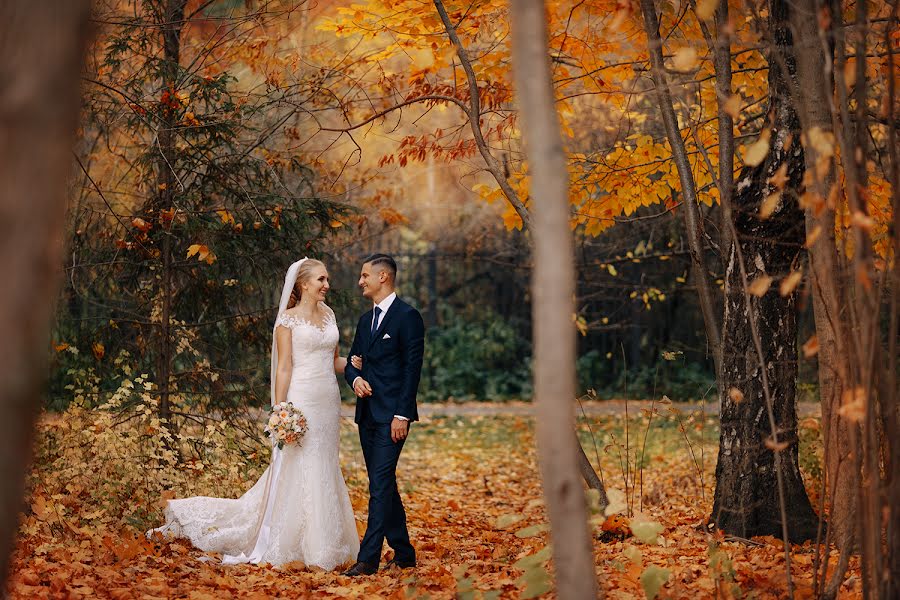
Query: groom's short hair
(385, 261)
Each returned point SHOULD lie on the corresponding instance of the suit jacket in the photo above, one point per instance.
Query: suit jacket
(392, 362)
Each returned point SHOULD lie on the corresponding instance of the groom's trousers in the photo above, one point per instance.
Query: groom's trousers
(387, 519)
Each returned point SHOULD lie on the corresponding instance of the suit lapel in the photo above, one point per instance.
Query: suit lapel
(393, 310)
(367, 330)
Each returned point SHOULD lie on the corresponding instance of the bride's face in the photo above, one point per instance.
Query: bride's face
(317, 285)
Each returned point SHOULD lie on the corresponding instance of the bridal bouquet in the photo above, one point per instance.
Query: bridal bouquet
(286, 425)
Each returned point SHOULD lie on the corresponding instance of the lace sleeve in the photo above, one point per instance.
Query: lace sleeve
(286, 320)
(328, 312)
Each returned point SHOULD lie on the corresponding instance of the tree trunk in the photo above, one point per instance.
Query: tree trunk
(746, 503)
(553, 285)
(41, 50)
(693, 220)
(173, 22)
(892, 419)
(473, 114)
(815, 93)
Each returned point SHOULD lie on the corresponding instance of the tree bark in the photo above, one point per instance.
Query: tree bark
(746, 471)
(553, 285)
(815, 93)
(892, 418)
(41, 49)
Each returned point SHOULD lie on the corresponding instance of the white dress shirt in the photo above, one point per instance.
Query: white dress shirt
(384, 305)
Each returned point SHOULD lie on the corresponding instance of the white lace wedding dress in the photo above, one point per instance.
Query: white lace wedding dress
(299, 509)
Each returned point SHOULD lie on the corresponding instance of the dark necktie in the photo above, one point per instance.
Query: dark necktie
(375, 319)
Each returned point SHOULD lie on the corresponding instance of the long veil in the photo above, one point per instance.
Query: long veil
(289, 280)
(261, 537)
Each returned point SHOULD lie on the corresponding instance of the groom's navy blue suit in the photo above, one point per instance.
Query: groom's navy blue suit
(392, 365)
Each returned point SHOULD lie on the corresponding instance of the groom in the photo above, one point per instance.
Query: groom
(391, 340)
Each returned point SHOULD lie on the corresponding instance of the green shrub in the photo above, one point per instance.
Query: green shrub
(476, 360)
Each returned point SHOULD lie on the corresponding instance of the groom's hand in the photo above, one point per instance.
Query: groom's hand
(361, 387)
(399, 429)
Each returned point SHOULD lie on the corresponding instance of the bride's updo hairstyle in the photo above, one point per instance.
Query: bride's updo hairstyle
(303, 275)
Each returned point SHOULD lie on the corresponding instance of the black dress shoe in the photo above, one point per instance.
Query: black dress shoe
(360, 568)
(403, 564)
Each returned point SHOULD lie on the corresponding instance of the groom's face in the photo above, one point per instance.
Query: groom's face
(370, 281)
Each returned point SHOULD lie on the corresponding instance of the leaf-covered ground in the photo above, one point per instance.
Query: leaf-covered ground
(473, 499)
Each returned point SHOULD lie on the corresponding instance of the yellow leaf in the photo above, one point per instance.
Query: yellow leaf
(335, 224)
(757, 151)
(821, 141)
(789, 283)
(862, 220)
(853, 405)
(811, 347)
(810, 423)
(813, 236)
(811, 200)
(512, 220)
(99, 350)
(776, 446)
(685, 58)
(225, 216)
(850, 73)
(580, 324)
(140, 224)
(769, 205)
(202, 252)
(760, 285)
(612, 270)
(732, 106)
(779, 178)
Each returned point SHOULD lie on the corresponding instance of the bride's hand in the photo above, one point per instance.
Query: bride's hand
(356, 361)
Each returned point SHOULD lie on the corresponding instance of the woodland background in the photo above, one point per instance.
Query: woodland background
(723, 249)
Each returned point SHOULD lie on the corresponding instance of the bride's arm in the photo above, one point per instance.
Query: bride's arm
(285, 363)
(340, 363)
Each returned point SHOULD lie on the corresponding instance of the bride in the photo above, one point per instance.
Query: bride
(299, 509)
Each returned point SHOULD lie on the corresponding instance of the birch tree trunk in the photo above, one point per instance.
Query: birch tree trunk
(41, 50)
(553, 288)
(750, 455)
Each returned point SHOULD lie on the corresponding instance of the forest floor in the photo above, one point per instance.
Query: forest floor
(472, 493)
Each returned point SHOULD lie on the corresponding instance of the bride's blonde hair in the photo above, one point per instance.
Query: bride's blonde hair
(303, 275)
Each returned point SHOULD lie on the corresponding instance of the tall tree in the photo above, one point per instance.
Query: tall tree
(41, 51)
(197, 197)
(553, 289)
(857, 367)
(758, 481)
